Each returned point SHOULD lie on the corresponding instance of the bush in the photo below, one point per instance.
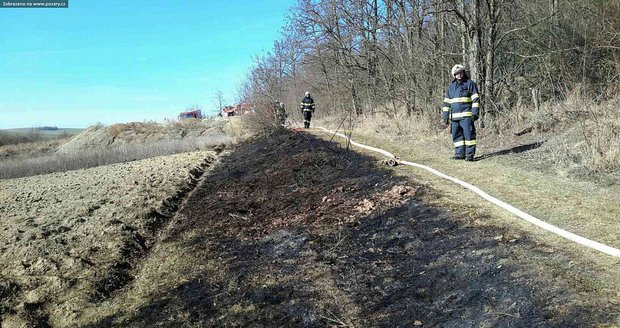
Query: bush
(14, 138)
(263, 121)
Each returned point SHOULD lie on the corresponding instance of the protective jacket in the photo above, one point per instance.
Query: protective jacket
(307, 104)
(462, 100)
(461, 107)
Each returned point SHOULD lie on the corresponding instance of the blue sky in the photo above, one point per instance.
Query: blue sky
(117, 61)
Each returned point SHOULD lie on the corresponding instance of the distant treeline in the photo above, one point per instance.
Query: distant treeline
(48, 128)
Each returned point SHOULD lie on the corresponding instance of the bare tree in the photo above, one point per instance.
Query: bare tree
(219, 99)
(365, 56)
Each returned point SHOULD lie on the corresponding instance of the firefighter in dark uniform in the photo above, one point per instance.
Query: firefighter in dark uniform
(280, 113)
(461, 107)
(307, 108)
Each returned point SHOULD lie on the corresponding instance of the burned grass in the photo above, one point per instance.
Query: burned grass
(292, 231)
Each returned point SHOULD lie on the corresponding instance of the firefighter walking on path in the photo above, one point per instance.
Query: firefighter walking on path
(461, 107)
(307, 108)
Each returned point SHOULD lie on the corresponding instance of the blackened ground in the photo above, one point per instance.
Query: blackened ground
(297, 232)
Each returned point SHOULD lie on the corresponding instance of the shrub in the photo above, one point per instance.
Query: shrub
(262, 121)
(12, 139)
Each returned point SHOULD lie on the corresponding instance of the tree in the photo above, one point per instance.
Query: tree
(219, 99)
(370, 56)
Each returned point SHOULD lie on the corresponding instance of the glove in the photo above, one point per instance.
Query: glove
(475, 117)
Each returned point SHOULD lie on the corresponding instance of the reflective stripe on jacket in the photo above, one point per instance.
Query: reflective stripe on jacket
(462, 100)
(307, 104)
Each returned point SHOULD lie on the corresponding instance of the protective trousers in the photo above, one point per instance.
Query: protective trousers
(464, 137)
(307, 118)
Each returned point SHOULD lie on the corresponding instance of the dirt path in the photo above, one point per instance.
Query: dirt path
(293, 231)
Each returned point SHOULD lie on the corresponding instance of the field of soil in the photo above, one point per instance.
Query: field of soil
(68, 239)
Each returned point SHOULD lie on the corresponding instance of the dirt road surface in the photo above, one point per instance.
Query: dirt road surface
(294, 231)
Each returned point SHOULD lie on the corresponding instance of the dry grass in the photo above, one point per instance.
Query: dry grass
(420, 127)
(586, 206)
(588, 135)
(263, 121)
(13, 139)
(34, 135)
(30, 149)
(170, 265)
(118, 143)
(61, 162)
(581, 136)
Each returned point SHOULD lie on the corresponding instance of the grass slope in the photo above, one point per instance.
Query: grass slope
(291, 230)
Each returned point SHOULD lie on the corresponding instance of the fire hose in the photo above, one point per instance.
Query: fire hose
(393, 161)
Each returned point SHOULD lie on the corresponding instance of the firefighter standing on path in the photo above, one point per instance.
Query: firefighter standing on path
(461, 107)
(307, 108)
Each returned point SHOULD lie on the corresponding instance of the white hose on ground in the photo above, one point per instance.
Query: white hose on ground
(527, 217)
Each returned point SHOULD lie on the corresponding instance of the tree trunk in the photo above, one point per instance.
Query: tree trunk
(474, 41)
(494, 11)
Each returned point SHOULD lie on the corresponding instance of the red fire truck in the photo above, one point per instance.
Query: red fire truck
(192, 114)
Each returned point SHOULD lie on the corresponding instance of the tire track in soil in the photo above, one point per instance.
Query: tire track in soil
(119, 275)
(293, 231)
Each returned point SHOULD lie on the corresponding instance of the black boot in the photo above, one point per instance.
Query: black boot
(457, 157)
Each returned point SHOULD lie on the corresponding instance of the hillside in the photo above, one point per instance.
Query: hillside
(99, 136)
(292, 230)
(118, 143)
